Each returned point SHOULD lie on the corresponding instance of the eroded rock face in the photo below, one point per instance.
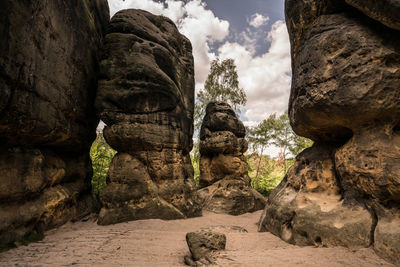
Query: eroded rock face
(203, 242)
(384, 11)
(307, 207)
(345, 96)
(49, 54)
(146, 99)
(346, 63)
(224, 181)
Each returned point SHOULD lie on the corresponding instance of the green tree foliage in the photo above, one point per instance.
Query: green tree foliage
(222, 84)
(284, 136)
(101, 154)
(261, 137)
(195, 157)
(270, 176)
(299, 144)
(275, 130)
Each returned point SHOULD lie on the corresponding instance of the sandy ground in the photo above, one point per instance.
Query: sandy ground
(162, 243)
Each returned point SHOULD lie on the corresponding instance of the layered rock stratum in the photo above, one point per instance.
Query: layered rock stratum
(49, 52)
(345, 190)
(146, 99)
(224, 182)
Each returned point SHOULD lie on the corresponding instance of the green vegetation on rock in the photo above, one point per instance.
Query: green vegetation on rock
(101, 154)
(267, 173)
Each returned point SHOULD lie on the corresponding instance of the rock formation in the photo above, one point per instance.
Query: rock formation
(202, 243)
(345, 190)
(224, 182)
(48, 79)
(146, 99)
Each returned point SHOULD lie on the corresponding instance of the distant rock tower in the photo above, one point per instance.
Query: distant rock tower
(146, 99)
(224, 181)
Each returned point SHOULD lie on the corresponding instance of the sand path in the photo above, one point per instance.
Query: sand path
(162, 243)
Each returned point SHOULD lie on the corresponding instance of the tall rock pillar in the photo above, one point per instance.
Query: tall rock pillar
(224, 181)
(146, 99)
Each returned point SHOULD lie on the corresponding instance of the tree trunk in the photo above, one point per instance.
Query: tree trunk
(259, 161)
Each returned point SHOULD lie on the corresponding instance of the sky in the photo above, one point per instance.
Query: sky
(251, 32)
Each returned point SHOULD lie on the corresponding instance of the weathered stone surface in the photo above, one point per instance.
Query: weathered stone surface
(224, 182)
(345, 63)
(203, 242)
(387, 236)
(231, 196)
(49, 54)
(222, 166)
(307, 208)
(301, 14)
(49, 58)
(369, 164)
(224, 142)
(53, 207)
(384, 11)
(146, 99)
(221, 117)
(128, 137)
(345, 96)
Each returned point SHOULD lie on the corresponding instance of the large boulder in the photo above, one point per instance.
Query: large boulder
(146, 99)
(49, 54)
(307, 207)
(201, 243)
(224, 182)
(346, 74)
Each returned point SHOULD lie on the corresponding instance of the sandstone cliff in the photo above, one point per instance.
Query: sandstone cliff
(48, 78)
(345, 190)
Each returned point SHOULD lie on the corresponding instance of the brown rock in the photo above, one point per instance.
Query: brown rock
(346, 72)
(385, 11)
(222, 166)
(301, 14)
(49, 58)
(49, 53)
(387, 236)
(233, 197)
(346, 65)
(146, 98)
(224, 182)
(224, 142)
(221, 117)
(369, 164)
(307, 209)
(203, 242)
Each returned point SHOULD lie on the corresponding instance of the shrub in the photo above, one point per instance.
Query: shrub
(101, 154)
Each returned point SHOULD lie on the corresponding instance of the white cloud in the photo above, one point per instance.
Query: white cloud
(257, 20)
(265, 79)
(193, 20)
